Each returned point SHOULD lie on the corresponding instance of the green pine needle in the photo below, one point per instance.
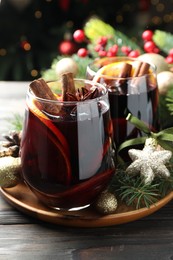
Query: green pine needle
(132, 190)
(17, 122)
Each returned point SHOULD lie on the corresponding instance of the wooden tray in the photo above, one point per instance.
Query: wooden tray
(24, 200)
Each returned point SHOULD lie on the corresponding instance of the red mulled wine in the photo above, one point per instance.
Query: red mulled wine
(132, 86)
(142, 105)
(68, 158)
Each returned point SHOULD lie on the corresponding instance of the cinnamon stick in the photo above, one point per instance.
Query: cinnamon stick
(137, 68)
(68, 85)
(141, 69)
(42, 90)
(125, 70)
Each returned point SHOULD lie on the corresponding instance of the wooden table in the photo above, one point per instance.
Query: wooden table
(24, 237)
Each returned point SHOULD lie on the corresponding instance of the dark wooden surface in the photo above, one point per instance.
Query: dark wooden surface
(23, 237)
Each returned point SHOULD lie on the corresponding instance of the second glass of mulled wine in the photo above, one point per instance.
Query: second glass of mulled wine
(66, 150)
(132, 86)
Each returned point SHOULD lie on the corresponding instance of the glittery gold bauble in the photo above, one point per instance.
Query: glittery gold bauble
(106, 203)
(9, 171)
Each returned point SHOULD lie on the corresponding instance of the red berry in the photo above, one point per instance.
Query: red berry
(79, 36)
(82, 52)
(156, 50)
(147, 35)
(126, 50)
(102, 40)
(102, 53)
(98, 48)
(169, 59)
(67, 47)
(113, 49)
(171, 52)
(134, 54)
(110, 54)
(149, 46)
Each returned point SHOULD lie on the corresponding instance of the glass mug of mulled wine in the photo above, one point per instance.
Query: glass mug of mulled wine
(132, 87)
(67, 152)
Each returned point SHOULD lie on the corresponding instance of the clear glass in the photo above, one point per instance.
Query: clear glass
(139, 95)
(68, 157)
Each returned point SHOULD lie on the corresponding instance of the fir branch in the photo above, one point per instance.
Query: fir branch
(132, 190)
(17, 122)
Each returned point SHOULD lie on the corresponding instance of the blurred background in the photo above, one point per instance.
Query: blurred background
(34, 32)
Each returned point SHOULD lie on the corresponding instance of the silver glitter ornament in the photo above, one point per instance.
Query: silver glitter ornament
(9, 171)
(149, 162)
(106, 203)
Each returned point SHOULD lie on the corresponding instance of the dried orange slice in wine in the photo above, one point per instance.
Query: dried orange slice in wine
(110, 70)
(58, 144)
(113, 70)
(37, 112)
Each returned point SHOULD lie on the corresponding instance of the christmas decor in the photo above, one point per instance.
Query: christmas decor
(156, 59)
(9, 171)
(148, 177)
(147, 35)
(10, 164)
(165, 82)
(67, 47)
(102, 40)
(149, 162)
(66, 65)
(106, 203)
(41, 26)
(130, 184)
(12, 144)
(79, 36)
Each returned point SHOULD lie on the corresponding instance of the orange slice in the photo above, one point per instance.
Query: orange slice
(58, 140)
(113, 69)
(49, 124)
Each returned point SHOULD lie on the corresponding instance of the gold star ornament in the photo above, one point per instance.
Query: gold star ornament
(149, 162)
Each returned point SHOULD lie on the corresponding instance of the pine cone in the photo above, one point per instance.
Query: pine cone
(12, 144)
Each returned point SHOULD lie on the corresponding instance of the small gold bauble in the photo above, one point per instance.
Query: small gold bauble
(106, 203)
(9, 171)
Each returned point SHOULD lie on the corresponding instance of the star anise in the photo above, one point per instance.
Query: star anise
(11, 145)
(83, 94)
(69, 93)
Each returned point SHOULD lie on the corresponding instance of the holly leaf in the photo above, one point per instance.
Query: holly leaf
(163, 40)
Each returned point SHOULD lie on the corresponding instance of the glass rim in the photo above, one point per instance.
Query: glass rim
(123, 58)
(96, 84)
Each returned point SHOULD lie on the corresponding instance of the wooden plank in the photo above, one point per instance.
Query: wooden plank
(136, 242)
